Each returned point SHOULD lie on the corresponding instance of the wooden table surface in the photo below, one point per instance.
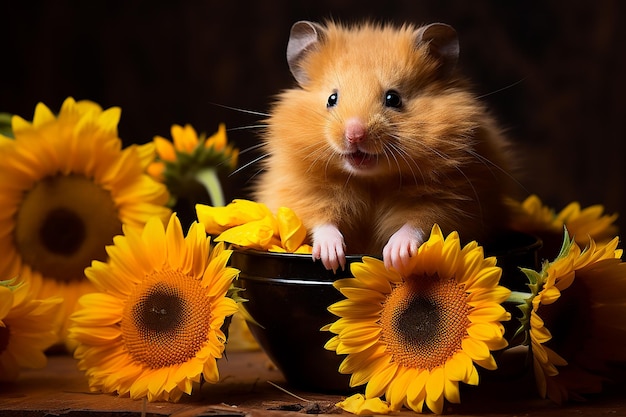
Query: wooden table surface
(248, 387)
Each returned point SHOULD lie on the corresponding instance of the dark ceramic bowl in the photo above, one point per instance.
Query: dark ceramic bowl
(288, 295)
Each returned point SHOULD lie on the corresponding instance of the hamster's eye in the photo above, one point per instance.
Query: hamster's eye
(332, 100)
(392, 99)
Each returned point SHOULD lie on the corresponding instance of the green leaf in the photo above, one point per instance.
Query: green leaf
(5, 125)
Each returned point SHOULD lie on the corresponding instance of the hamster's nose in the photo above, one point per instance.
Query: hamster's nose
(355, 130)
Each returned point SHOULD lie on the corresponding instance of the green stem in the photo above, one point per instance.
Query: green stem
(208, 177)
(518, 297)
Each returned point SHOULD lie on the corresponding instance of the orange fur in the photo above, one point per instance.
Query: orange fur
(448, 162)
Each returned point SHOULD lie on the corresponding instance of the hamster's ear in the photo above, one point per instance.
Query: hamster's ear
(302, 39)
(443, 44)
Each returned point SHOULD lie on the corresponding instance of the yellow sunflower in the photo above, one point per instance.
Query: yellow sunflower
(532, 216)
(66, 188)
(414, 337)
(588, 333)
(154, 329)
(26, 330)
(189, 164)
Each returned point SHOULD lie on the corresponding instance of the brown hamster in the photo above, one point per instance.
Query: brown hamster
(380, 140)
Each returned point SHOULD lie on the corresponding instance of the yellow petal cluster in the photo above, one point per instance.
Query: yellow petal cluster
(359, 405)
(252, 225)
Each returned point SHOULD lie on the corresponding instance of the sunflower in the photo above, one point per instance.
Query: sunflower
(66, 188)
(189, 164)
(414, 337)
(25, 329)
(532, 216)
(154, 329)
(588, 333)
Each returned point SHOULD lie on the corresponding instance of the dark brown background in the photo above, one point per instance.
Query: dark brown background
(552, 71)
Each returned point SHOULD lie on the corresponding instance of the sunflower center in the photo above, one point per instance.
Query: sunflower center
(62, 231)
(424, 321)
(160, 311)
(63, 223)
(166, 320)
(419, 321)
(5, 334)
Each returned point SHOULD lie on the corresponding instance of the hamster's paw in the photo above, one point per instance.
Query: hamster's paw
(401, 246)
(329, 247)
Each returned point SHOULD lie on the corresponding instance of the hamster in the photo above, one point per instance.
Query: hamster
(380, 139)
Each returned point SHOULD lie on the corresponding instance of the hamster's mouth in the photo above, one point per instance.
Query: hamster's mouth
(359, 160)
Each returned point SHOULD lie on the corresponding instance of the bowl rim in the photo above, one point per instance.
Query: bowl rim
(271, 254)
(534, 243)
(511, 244)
